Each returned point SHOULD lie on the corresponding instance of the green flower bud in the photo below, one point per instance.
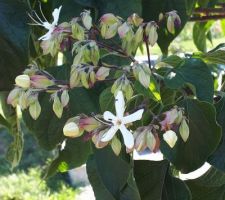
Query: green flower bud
(78, 31)
(65, 98)
(84, 79)
(71, 129)
(135, 19)
(35, 109)
(151, 141)
(170, 24)
(23, 100)
(102, 73)
(74, 77)
(184, 130)
(13, 96)
(151, 31)
(116, 145)
(23, 81)
(57, 106)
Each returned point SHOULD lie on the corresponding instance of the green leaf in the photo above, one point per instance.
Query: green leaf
(151, 10)
(195, 72)
(190, 5)
(155, 181)
(75, 153)
(14, 37)
(210, 186)
(112, 178)
(200, 31)
(217, 159)
(205, 135)
(106, 100)
(172, 60)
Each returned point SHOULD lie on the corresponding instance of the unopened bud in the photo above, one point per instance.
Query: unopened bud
(13, 96)
(35, 109)
(23, 81)
(170, 24)
(170, 137)
(151, 31)
(151, 141)
(116, 145)
(135, 19)
(57, 106)
(23, 100)
(123, 30)
(97, 139)
(140, 139)
(71, 130)
(184, 130)
(86, 19)
(40, 81)
(89, 124)
(65, 98)
(84, 79)
(77, 30)
(108, 19)
(161, 16)
(74, 77)
(102, 73)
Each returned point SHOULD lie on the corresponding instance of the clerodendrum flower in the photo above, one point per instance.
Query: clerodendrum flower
(119, 121)
(49, 26)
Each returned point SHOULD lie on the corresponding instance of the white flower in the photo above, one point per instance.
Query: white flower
(119, 121)
(49, 26)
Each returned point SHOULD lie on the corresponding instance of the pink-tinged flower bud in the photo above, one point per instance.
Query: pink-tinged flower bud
(102, 73)
(40, 81)
(23, 81)
(108, 19)
(123, 30)
(170, 137)
(65, 98)
(170, 117)
(71, 129)
(184, 130)
(88, 124)
(86, 19)
(140, 139)
(151, 141)
(173, 21)
(13, 96)
(135, 19)
(96, 139)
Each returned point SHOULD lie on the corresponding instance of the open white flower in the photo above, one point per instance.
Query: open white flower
(49, 26)
(119, 121)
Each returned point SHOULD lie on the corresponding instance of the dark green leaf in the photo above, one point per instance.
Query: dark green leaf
(205, 135)
(106, 100)
(173, 60)
(217, 159)
(210, 186)
(195, 72)
(14, 37)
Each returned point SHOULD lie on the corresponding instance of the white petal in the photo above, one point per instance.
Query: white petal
(109, 134)
(133, 117)
(55, 15)
(127, 137)
(47, 36)
(119, 104)
(108, 116)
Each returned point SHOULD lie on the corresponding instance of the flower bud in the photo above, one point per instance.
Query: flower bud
(140, 139)
(102, 73)
(35, 109)
(57, 106)
(94, 54)
(138, 37)
(96, 139)
(151, 141)
(89, 124)
(71, 130)
(13, 96)
(84, 79)
(74, 77)
(170, 137)
(108, 19)
(65, 98)
(161, 16)
(23, 81)
(92, 78)
(142, 73)
(23, 100)
(40, 81)
(184, 130)
(135, 19)
(116, 145)
(78, 31)
(151, 32)
(123, 30)
(86, 19)
(170, 24)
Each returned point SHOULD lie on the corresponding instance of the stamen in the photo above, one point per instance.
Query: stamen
(38, 17)
(42, 12)
(37, 23)
(93, 115)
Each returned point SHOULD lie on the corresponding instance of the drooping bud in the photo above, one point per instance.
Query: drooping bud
(86, 19)
(151, 32)
(13, 96)
(35, 109)
(135, 19)
(184, 130)
(92, 78)
(57, 106)
(89, 124)
(74, 77)
(140, 139)
(78, 31)
(124, 30)
(138, 37)
(161, 16)
(151, 141)
(170, 137)
(142, 73)
(65, 98)
(94, 53)
(116, 145)
(173, 21)
(96, 139)
(23, 81)
(84, 79)
(40, 81)
(170, 24)
(23, 100)
(102, 73)
(71, 130)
